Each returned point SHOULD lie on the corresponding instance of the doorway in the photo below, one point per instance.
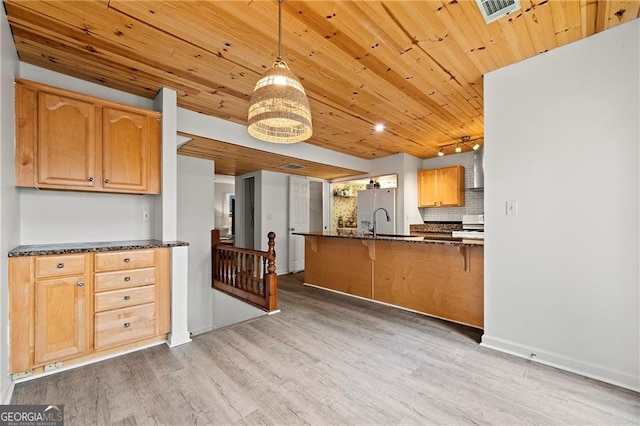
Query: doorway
(249, 213)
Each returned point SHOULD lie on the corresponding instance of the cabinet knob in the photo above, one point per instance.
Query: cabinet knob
(127, 297)
(127, 260)
(90, 179)
(127, 324)
(127, 279)
(80, 284)
(107, 180)
(60, 265)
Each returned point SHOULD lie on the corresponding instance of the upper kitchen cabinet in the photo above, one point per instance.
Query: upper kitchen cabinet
(442, 187)
(70, 141)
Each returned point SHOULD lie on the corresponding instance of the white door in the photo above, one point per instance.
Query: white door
(298, 220)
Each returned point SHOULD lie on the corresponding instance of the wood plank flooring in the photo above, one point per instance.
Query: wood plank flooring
(328, 359)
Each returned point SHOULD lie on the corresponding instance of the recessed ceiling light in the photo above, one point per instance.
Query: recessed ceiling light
(379, 127)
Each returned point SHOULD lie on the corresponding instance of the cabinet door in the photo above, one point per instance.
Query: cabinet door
(126, 142)
(62, 319)
(67, 142)
(451, 186)
(427, 188)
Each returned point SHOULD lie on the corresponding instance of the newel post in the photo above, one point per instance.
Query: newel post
(272, 277)
(215, 256)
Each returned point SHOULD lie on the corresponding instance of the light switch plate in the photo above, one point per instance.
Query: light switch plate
(511, 208)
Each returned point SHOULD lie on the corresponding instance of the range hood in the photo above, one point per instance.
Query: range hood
(478, 169)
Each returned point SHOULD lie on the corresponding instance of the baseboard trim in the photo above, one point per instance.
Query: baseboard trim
(176, 339)
(202, 330)
(7, 391)
(92, 359)
(572, 365)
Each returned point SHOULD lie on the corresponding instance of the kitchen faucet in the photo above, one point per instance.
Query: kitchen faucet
(375, 232)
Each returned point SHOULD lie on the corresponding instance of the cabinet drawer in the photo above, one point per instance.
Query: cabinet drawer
(124, 325)
(125, 297)
(117, 260)
(124, 279)
(55, 266)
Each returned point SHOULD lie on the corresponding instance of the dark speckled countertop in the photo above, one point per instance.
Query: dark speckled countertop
(417, 239)
(70, 248)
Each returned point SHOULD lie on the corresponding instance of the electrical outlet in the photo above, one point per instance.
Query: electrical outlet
(511, 208)
(145, 216)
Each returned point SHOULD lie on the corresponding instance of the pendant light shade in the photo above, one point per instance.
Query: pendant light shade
(279, 109)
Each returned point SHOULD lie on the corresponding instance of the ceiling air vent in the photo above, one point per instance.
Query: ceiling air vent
(292, 166)
(496, 9)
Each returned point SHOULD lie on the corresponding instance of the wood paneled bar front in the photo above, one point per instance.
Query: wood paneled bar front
(440, 278)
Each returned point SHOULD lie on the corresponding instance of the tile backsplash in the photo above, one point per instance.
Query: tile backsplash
(473, 203)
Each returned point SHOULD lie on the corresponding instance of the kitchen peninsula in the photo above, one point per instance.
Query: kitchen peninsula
(441, 278)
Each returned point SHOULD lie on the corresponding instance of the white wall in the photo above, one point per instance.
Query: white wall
(166, 220)
(71, 217)
(166, 208)
(561, 276)
(9, 197)
(45, 76)
(275, 216)
(473, 200)
(409, 181)
(195, 222)
(62, 216)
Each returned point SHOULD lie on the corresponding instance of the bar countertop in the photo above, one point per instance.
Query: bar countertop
(416, 239)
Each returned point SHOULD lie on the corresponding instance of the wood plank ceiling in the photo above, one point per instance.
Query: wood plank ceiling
(236, 160)
(415, 66)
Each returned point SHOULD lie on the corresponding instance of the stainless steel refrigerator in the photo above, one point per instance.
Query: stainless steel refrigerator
(369, 200)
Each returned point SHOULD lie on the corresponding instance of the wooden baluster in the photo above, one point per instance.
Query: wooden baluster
(229, 266)
(245, 271)
(215, 255)
(250, 283)
(271, 281)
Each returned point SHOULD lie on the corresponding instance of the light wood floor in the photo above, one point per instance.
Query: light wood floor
(329, 360)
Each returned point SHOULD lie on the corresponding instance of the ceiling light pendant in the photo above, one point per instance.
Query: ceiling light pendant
(279, 109)
(476, 146)
(458, 148)
(440, 153)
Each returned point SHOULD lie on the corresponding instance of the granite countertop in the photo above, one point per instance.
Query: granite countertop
(418, 239)
(69, 248)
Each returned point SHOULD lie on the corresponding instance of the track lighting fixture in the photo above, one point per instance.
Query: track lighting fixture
(464, 141)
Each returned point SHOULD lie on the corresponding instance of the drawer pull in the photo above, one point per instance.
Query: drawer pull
(127, 297)
(127, 279)
(127, 260)
(60, 265)
(127, 324)
(80, 284)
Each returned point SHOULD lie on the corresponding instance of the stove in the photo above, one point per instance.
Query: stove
(472, 227)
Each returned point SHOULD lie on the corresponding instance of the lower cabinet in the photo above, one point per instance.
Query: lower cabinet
(64, 307)
(62, 319)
